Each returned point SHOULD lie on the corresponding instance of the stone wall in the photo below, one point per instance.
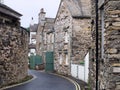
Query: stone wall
(48, 37)
(13, 53)
(63, 25)
(81, 39)
(44, 37)
(112, 43)
(109, 65)
(72, 37)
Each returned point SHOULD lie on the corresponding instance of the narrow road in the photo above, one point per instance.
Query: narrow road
(45, 81)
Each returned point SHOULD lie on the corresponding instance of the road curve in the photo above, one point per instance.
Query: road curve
(45, 81)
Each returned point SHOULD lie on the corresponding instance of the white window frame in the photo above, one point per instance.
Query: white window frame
(40, 38)
(48, 38)
(66, 59)
(66, 37)
(60, 59)
(102, 32)
(45, 38)
(48, 47)
(52, 37)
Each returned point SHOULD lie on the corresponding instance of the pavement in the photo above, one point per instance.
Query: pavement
(47, 81)
(82, 84)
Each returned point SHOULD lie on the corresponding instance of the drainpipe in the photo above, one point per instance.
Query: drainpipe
(96, 28)
(42, 50)
(53, 46)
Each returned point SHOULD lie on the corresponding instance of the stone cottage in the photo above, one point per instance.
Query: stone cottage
(109, 45)
(13, 47)
(72, 34)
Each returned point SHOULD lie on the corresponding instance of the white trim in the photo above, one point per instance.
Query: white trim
(102, 33)
(66, 59)
(66, 37)
(60, 59)
(52, 38)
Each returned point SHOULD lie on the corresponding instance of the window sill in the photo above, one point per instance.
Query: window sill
(66, 65)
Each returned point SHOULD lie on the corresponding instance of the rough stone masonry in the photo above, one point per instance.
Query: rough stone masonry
(109, 45)
(13, 47)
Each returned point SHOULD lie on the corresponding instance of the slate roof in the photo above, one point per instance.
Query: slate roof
(49, 23)
(79, 8)
(25, 29)
(33, 28)
(9, 11)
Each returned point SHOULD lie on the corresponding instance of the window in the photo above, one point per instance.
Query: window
(52, 47)
(66, 59)
(102, 32)
(33, 41)
(66, 37)
(52, 38)
(45, 38)
(40, 38)
(48, 47)
(32, 51)
(65, 47)
(60, 58)
(48, 39)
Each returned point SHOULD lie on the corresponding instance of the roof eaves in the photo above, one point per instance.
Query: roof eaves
(24, 29)
(82, 17)
(8, 11)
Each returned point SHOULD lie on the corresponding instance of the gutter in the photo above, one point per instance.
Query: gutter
(96, 28)
(82, 17)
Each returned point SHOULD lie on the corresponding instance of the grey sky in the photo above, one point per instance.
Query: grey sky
(31, 8)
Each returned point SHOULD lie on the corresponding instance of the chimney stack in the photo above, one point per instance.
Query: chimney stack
(42, 16)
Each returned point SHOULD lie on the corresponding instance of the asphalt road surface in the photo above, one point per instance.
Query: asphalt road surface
(45, 81)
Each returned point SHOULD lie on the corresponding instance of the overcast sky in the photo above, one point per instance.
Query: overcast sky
(31, 8)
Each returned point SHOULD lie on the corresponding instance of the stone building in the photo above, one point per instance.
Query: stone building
(109, 45)
(42, 35)
(48, 37)
(13, 47)
(32, 41)
(72, 34)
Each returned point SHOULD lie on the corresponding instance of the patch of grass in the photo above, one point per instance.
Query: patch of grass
(27, 78)
(82, 63)
(23, 80)
(89, 87)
